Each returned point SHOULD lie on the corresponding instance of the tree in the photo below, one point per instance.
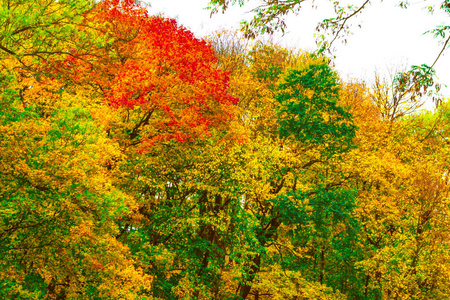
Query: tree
(73, 119)
(400, 183)
(286, 171)
(57, 226)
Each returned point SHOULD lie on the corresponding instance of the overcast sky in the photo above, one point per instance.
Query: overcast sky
(389, 36)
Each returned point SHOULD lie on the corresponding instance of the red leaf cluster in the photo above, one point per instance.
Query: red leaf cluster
(163, 67)
(152, 63)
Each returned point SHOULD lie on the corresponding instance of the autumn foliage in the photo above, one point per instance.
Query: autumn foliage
(140, 162)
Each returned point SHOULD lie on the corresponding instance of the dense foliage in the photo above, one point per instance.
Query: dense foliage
(140, 162)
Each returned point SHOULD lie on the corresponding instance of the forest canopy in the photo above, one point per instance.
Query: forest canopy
(138, 161)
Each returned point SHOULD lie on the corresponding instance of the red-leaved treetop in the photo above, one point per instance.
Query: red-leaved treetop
(151, 65)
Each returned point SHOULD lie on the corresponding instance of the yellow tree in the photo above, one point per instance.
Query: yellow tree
(402, 190)
(284, 164)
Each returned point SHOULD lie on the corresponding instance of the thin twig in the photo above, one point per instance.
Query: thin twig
(346, 19)
(442, 50)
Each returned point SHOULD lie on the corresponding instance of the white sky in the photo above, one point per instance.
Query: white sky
(389, 37)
